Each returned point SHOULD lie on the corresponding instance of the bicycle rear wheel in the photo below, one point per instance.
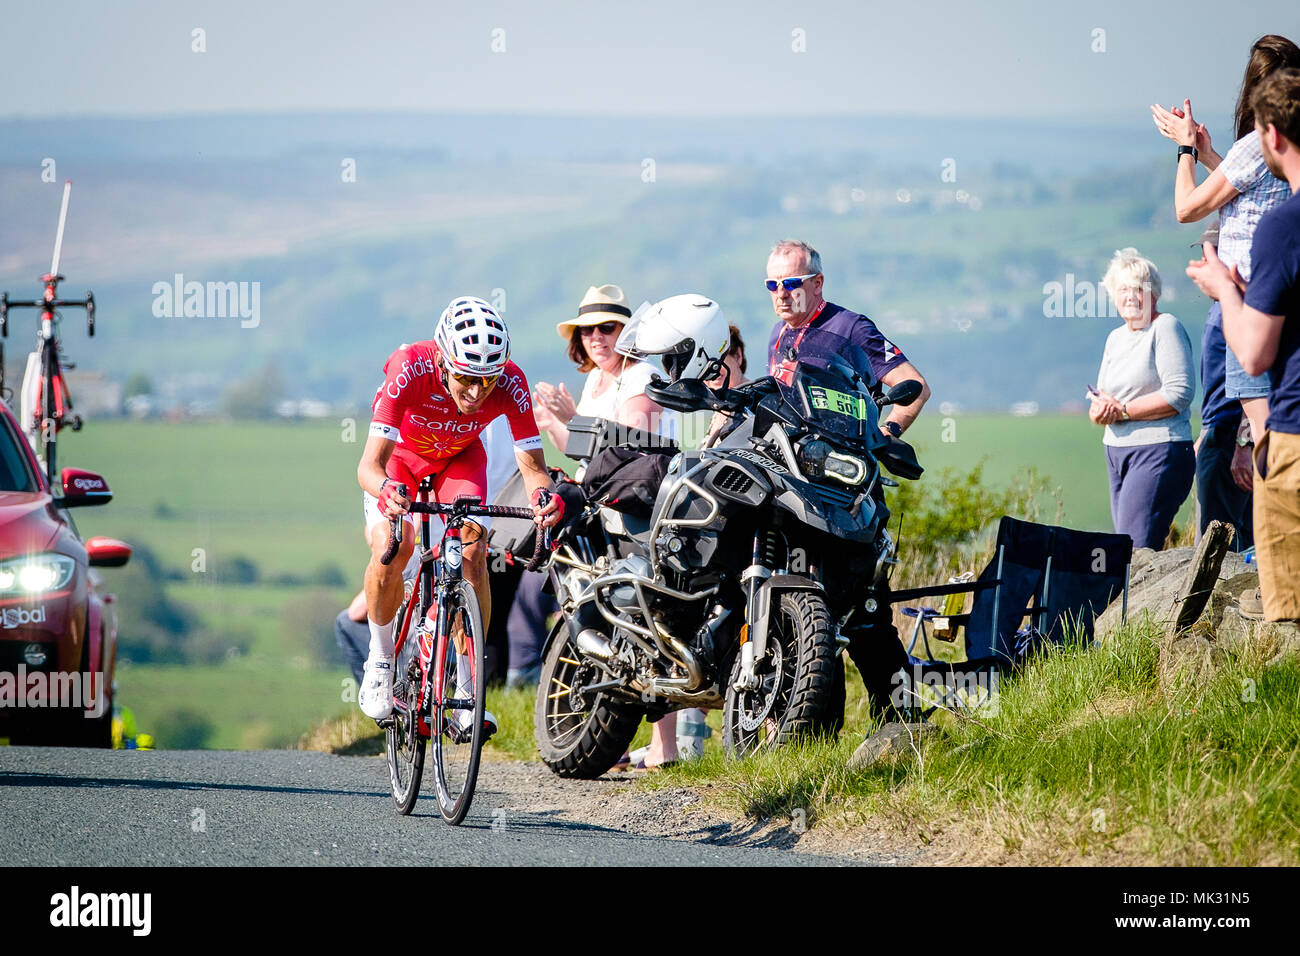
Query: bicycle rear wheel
(458, 707)
(402, 741)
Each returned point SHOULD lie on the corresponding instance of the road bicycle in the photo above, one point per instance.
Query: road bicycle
(439, 638)
(46, 405)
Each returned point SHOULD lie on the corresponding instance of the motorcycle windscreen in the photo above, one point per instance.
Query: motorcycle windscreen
(830, 386)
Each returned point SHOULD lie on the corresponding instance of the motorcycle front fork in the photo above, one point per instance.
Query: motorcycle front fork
(752, 578)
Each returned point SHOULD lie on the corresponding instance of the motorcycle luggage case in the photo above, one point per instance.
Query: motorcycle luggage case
(589, 435)
(584, 432)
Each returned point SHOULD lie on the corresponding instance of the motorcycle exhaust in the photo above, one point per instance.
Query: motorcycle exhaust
(594, 644)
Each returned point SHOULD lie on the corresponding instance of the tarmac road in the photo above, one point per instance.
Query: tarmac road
(73, 807)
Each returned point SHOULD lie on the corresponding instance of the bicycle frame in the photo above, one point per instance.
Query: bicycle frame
(440, 593)
(437, 577)
(434, 573)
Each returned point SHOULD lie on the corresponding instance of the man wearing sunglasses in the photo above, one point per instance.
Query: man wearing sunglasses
(427, 420)
(795, 280)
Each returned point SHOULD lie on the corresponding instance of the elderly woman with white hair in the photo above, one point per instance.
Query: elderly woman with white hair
(1143, 393)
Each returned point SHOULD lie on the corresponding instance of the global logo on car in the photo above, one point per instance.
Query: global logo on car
(19, 616)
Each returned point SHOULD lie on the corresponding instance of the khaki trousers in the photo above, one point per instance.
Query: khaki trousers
(1277, 524)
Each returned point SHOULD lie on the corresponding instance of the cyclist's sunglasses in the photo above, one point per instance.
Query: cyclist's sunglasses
(605, 328)
(791, 282)
(487, 381)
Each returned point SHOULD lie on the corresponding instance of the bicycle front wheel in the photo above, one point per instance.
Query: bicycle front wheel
(402, 741)
(459, 691)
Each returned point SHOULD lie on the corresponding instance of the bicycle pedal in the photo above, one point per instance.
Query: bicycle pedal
(385, 722)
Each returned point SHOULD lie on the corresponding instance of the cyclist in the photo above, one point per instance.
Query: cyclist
(427, 418)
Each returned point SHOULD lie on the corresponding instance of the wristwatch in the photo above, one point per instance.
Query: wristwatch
(894, 429)
(1188, 149)
(1123, 412)
(1245, 441)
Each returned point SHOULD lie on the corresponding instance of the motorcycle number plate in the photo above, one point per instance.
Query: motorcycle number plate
(840, 403)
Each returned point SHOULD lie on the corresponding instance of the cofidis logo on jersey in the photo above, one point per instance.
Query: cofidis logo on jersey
(407, 373)
(513, 385)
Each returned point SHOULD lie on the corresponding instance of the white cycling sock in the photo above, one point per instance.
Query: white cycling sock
(463, 676)
(381, 639)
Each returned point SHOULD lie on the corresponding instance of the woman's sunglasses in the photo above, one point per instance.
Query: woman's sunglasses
(791, 282)
(605, 328)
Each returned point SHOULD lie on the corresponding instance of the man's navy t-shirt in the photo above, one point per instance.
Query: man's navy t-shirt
(1274, 289)
(883, 355)
(1216, 408)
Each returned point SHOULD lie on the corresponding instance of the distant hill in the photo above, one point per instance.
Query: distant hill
(532, 210)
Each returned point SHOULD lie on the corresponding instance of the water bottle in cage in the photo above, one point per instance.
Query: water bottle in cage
(30, 401)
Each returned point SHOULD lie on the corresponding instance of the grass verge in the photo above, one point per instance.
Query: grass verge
(1090, 758)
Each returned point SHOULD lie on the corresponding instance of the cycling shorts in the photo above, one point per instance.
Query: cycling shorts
(462, 474)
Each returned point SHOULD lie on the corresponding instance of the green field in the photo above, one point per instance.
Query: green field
(1066, 450)
(284, 496)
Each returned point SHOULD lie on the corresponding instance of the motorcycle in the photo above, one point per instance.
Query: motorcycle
(736, 590)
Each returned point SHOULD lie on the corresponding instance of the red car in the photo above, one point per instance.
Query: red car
(58, 632)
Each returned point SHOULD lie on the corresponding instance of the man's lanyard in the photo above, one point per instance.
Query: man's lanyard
(783, 371)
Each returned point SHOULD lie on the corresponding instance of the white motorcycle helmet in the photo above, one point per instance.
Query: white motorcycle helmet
(472, 337)
(687, 332)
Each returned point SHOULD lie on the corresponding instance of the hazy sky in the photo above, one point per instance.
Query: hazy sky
(676, 56)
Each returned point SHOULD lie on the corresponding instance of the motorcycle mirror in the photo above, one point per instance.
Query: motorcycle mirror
(904, 393)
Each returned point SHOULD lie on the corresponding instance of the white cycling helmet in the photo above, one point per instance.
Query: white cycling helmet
(472, 337)
(688, 332)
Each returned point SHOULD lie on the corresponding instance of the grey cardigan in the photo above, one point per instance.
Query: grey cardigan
(1155, 359)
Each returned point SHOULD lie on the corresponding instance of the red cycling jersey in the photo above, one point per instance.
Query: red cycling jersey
(413, 409)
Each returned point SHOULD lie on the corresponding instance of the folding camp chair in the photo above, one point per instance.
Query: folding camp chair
(1058, 578)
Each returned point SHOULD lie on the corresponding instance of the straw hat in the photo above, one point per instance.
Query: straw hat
(602, 303)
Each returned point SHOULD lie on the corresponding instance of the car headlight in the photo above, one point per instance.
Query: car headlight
(819, 460)
(36, 574)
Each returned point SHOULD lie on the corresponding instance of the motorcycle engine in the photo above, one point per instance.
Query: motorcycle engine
(623, 596)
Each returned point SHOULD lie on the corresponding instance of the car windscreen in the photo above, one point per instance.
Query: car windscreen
(15, 473)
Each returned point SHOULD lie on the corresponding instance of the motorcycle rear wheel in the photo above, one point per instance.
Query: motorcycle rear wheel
(576, 739)
(797, 679)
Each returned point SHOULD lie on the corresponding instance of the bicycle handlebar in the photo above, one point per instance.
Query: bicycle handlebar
(6, 303)
(467, 507)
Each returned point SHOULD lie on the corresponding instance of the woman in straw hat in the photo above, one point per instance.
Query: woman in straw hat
(615, 386)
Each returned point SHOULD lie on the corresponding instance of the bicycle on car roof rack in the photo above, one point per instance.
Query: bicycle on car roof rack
(45, 403)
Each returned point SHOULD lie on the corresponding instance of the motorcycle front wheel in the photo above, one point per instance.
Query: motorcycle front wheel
(796, 679)
(577, 738)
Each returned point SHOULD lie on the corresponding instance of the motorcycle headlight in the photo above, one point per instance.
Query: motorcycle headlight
(812, 458)
(819, 460)
(36, 574)
(845, 468)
